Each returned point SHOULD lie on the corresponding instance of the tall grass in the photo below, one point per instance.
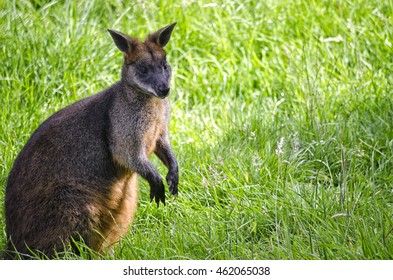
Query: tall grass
(282, 119)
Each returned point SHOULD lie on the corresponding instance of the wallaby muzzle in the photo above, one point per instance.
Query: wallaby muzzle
(163, 91)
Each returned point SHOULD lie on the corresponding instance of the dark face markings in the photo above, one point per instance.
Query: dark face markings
(153, 63)
(151, 71)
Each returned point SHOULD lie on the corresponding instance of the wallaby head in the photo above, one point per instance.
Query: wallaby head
(145, 67)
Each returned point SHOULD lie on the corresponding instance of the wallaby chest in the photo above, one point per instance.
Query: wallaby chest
(157, 122)
(136, 126)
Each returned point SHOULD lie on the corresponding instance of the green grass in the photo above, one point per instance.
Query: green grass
(284, 135)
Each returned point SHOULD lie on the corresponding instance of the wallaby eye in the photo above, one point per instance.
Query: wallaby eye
(165, 65)
(143, 69)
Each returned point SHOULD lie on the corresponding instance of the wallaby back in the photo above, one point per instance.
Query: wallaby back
(76, 177)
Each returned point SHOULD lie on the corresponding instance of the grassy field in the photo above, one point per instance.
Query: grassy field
(282, 119)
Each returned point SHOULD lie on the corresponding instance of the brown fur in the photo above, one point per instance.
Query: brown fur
(76, 177)
(113, 215)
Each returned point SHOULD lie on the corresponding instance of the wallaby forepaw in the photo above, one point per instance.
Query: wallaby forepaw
(173, 181)
(158, 194)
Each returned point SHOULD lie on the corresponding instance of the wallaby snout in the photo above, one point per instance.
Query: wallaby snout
(76, 177)
(163, 90)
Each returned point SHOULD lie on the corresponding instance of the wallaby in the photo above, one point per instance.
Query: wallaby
(76, 177)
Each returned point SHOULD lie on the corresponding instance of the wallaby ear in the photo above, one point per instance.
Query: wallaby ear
(122, 41)
(162, 36)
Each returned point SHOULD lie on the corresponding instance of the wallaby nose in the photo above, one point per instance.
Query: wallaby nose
(163, 90)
